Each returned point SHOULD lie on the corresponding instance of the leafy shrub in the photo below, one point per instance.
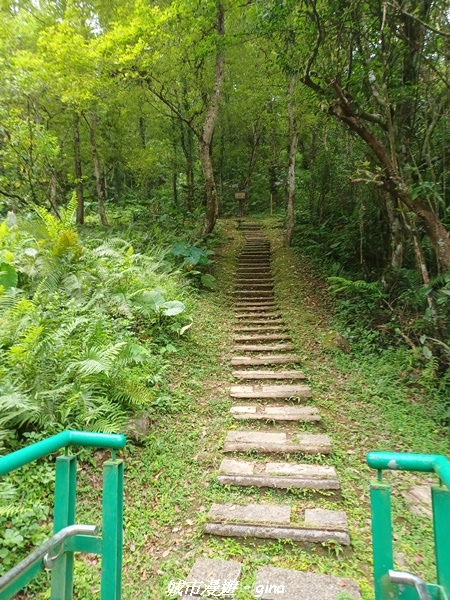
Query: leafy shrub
(83, 326)
(195, 262)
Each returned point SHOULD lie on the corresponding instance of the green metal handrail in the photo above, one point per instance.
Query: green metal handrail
(108, 545)
(401, 461)
(383, 552)
(22, 457)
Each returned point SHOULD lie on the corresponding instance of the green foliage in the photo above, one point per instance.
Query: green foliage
(194, 261)
(83, 334)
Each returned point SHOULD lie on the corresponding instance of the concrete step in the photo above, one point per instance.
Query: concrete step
(264, 347)
(261, 337)
(254, 286)
(280, 475)
(259, 292)
(268, 441)
(262, 327)
(270, 391)
(252, 307)
(273, 583)
(275, 413)
(272, 521)
(265, 360)
(266, 315)
(208, 570)
(256, 301)
(260, 320)
(269, 375)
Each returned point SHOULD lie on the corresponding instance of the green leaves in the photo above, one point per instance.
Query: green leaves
(8, 276)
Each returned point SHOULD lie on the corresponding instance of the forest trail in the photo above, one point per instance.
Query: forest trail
(276, 419)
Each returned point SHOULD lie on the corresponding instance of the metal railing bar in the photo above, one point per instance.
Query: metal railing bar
(402, 461)
(43, 550)
(21, 457)
(402, 577)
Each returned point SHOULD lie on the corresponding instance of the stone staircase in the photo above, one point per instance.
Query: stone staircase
(262, 340)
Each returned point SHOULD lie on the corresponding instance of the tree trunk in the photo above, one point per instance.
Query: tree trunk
(206, 135)
(53, 195)
(291, 166)
(97, 172)
(78, 170)
(396, 234)
(392, 181)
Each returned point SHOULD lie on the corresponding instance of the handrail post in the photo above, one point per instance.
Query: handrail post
(112, 532)
(64, 515)
(441, 524)
(383, 553)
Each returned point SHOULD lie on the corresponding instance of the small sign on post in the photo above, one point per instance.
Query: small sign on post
(241, 197)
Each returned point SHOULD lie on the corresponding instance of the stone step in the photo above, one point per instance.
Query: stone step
(264, 347)
(251, 306)
(272, 521)
(270, 391)
(261, 321)
(265, 315)
(273, 583)
(258, 309)
(262, 279)
(208, 570)
(269, 375)
(285, 359)
(261, 293)
(281, 475)
(262, 327)
(255, 301)
(254, 286)
(268, 441)
(263, 336)
(275, 413)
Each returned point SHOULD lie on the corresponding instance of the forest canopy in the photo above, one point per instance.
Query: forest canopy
(334, 113)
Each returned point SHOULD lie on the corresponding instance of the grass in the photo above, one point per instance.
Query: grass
(366, 405)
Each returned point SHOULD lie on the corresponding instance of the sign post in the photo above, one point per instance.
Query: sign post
(241, 197)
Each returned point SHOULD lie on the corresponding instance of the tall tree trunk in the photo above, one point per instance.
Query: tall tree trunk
(97, 172)
(187, 144)
(206, 135)
(53, 194)
(78, 170)
(251, 163)
(396, 234)
(291, 167)
(392, 181)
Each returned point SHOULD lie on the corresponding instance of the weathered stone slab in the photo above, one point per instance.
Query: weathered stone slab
(269, 375)
(256, 278)
(254, 307)
(255, 513)
(279, 475)
(265, 360)
(262, 337)
(277, 532)
(275, 413)
(255, 286)
(257, 328)
(253, 293)
(264, 347)
(273, 583)
(419, 500)
(270, 391)
(263, 441)
(263, 315)
(206, 570)
(326, 519)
